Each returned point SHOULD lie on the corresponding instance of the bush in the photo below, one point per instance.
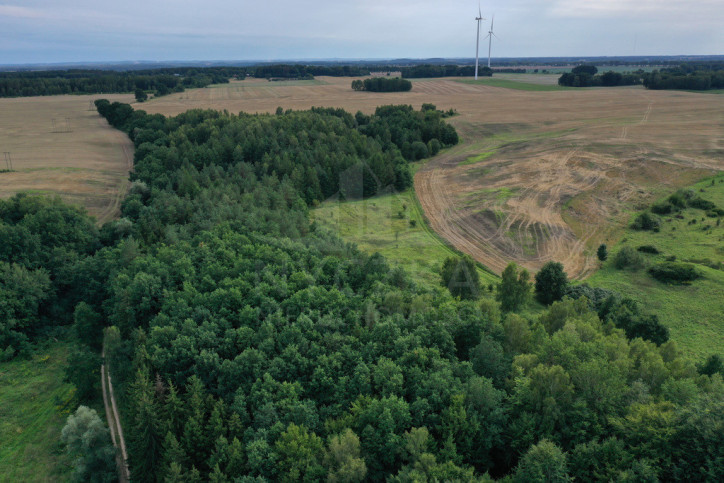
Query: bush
(679, 198)
(602, 252)
(663, 208)
(648, 249)
(627, 257)
(701, 204)
(646, 221)
(673, 272)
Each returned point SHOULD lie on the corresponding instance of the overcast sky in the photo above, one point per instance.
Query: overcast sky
(100, 30)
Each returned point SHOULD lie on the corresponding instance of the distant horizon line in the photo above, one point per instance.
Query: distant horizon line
(248, 62)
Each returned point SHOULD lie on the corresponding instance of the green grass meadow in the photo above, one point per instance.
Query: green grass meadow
(693, 313)
(517, 85)
(395, 226)
(34, 404)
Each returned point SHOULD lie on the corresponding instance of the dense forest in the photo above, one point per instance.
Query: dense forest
(382, 84)
(586, 76)
(158, 81)
(697, 76)
(249, 344)
(299, 71)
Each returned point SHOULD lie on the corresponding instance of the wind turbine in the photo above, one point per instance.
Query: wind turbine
(490, 36)
(477, 45)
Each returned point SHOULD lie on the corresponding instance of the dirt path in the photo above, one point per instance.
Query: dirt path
(114, 202)
(114, 423)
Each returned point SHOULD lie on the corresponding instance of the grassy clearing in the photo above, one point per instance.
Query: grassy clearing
(395, 226)
(693, 313)
(516, 85)
(34, 404)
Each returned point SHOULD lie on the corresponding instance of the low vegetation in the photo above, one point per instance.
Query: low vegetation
(677, 271)
(34, 403)
(673, 272)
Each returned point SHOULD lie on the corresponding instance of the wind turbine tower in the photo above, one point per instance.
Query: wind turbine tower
(479, 18)
(491, 34)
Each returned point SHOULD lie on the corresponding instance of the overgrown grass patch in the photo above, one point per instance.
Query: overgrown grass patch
(477, 158)
(516, 85)
(395, 226)
(34, 404)
(694, 312)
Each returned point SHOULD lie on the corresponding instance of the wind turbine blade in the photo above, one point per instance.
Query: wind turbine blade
(492, 22)
(480, 12)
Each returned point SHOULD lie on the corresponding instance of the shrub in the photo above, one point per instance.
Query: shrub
(701, 204)
(673, 272)
(648, 249)
(679, 198)
(602, 252)
(627, 257)
(663, 208)
(646, 221)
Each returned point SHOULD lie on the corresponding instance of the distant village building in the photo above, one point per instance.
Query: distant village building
(386, 73)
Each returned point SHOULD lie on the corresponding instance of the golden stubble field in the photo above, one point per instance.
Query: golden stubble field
(538, 176)
(59, 146)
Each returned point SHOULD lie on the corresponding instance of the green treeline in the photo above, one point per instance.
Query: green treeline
(696, 76)
(382, 84)
(299, 71)
(430, 70)
(248, 343)
(158, 81)
(585, 76)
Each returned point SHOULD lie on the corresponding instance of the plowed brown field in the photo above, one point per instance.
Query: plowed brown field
(538, 176)
(59, 145)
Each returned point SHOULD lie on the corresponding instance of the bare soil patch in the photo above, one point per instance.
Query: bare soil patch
(538, 176)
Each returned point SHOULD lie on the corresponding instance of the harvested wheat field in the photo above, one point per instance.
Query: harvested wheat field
(538, 176)
(60, 145)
